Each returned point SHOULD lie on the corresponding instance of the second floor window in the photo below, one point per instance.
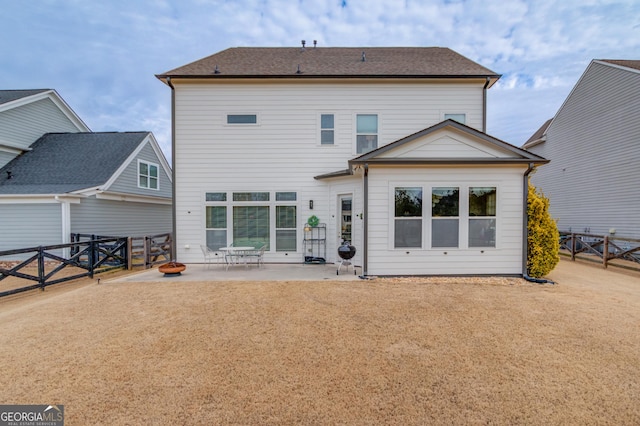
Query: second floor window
(327, 129)
(366, 133)
(460, 118)
(147, 175)
(242, 119)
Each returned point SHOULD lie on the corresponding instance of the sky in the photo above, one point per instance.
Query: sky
(102, 56)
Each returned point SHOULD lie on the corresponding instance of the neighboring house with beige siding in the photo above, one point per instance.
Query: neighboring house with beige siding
(264, 138)
(593, 143)
(73, 180)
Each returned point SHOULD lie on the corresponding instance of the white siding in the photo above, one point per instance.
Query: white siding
(282, 152)
(29, 225)
(127, 182)
(505, 258)
(23, 125)
(119, 219)
(593, 144)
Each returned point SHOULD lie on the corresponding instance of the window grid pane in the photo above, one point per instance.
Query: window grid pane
(444, 233)
(445, 202)
(482, 232)
(408, 233)
(242, 119)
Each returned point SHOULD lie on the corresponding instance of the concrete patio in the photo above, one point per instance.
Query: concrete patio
(266, 272)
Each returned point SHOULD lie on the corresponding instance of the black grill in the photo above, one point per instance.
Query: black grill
(346, 250)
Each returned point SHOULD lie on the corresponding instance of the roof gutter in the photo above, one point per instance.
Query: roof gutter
(484, 105)
(525, 230)
(173, 169)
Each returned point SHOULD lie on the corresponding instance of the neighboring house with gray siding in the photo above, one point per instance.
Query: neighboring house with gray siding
(105, 183)
(25, 115)
(593, 143)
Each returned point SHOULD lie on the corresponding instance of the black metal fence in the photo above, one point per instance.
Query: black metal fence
(88, 257)
(614, 250)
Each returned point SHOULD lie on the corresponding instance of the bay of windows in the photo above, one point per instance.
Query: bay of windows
(252, 219)
(467, 212)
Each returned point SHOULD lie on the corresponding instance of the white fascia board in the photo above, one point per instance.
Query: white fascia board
(121, 196)
(38, 198)
(11, 149)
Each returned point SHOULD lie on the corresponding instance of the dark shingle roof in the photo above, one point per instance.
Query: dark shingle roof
(12, 95)
(333, 62)
(635, 64)
(539, 133)
(64, 162)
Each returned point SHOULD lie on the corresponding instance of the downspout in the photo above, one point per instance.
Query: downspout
(174, 246)
(365, 223)
(525, 230)
(484, 105)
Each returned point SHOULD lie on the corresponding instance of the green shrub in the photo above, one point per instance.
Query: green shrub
(543, 239)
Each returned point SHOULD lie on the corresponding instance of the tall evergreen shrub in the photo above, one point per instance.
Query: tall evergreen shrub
(543, 238)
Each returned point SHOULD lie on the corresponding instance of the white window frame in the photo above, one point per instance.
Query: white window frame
(227, 114)
(148, 176)
(320, 129)
(427, 218)
(356, 134)
(271, 203)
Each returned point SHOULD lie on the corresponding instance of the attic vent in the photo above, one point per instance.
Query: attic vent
(299, 71)
(9, 175)
(315, 43)
(303, 43)
(364, 57)
(217, 70)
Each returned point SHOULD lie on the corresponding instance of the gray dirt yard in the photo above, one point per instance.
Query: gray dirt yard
(382, 351)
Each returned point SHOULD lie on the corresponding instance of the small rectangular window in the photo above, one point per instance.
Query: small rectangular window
(250, 196)
(242, 119)
(216, 196)
(366, 133)
(327, 129)
(286, 196)
(147, 175)
(460, 118)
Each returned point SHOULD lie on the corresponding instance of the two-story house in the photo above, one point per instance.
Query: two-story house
(265, 138)
(594, 144)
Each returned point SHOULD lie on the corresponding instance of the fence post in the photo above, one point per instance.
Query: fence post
(573, 246)
(129, 253)
(92, 256)
(147, 252)
(605, 252)
(41, 278)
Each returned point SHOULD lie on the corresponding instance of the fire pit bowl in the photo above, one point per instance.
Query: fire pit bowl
(172, 269)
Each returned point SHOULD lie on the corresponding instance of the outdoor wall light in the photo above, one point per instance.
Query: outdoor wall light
(310, 204)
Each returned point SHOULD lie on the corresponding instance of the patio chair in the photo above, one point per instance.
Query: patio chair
(258, 255)
(210, 255)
